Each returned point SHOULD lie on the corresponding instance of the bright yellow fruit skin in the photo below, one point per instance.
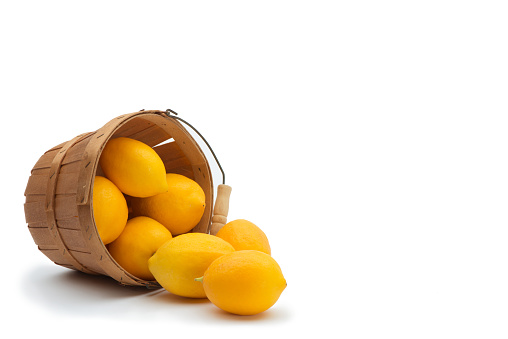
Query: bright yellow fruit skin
(244, 235)
(110, 210)
(134, 167)
(179, 209)
(244, 282)
(140, 239)
(178, 262)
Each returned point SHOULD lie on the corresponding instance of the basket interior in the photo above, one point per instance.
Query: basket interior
(178, 151)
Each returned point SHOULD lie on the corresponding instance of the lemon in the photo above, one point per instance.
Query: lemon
(109, 209)
(134, 167)
(244, 282)
(179, 209)
(140, 239)
(244, 235)
(185, 257)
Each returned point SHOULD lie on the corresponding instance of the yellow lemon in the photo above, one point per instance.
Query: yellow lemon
(244, 282)
(179, 209)
(140, 239)
(244, 235)
(178, 262)
(109, 209)
(134, 167)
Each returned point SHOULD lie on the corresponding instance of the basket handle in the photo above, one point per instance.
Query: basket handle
(221, 207)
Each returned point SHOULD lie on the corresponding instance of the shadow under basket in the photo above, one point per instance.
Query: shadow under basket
(58, 205)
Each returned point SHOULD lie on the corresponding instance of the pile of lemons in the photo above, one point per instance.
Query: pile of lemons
(144, 215)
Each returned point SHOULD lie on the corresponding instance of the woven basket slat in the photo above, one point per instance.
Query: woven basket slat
(137, 129)
(37, 184)
(75, 153)
(151, 136)
(46, 159)
(34, 210)
(72, 167)
(65, 208)
(41, 235)
(73, 239)
(172, 156)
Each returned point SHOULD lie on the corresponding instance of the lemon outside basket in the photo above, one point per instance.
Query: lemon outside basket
(58, 195)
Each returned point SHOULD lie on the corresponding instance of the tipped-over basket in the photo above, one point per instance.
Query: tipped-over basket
(58, 205)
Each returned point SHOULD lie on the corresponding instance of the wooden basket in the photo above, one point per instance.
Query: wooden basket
(58, 205)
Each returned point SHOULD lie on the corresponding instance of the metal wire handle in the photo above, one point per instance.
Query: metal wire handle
(169, 113)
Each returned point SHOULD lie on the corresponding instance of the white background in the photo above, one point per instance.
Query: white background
(368, 139)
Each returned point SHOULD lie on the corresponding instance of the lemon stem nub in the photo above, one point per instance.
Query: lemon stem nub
(200, 279)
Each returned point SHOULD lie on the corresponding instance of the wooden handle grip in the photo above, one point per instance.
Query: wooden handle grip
(221, 208)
